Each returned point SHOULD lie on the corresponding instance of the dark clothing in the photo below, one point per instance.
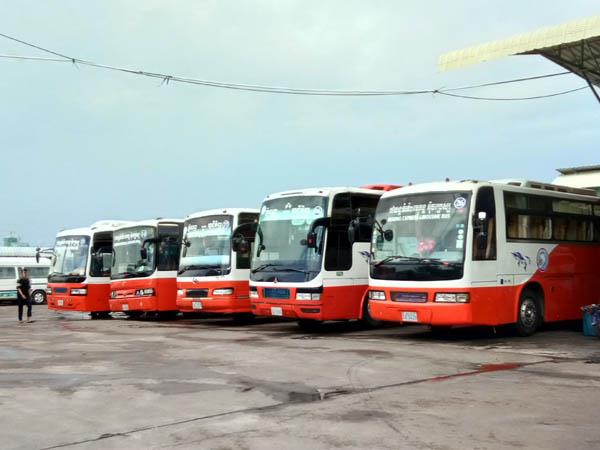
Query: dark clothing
(24, 286)
(23, 302)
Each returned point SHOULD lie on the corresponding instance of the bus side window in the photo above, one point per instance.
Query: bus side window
(168, 246)
(485, 203)
(243, 260)
(338, 255)
(363, 207)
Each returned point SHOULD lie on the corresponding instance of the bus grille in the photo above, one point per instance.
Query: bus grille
(197, 293)
(409, 297)
(60, 290)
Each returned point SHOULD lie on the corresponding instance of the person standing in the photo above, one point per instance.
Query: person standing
(24, 294)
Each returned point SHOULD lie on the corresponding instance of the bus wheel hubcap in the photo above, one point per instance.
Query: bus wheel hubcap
(528, 313)
(39, 298)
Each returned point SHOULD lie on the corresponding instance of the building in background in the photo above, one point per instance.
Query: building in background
(580, 177)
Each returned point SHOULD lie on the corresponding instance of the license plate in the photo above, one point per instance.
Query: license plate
(409, 316)
(125, 307)
(60, 302)
(276, 311)
(196, 305)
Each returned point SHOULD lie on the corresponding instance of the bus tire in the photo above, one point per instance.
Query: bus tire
(309, 325)
(98, 315)
(243, 318)
(134, 314)
(529, 314)
(367, 319)
(38, 297)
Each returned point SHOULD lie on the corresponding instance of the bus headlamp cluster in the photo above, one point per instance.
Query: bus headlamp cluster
(49, 290)
(79, 291)
(452, 297)
(308, 296)
(253, 293)
(180, 292)
(148, 292)
(113, 294)
(223, 291)
(377, 295)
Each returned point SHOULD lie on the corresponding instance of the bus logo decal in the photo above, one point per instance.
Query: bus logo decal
(460, 202)
(542, 259)
(522, 260)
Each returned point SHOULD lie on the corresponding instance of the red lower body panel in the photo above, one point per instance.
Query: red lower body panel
(125, 298)
(96, 299)
(205, 300)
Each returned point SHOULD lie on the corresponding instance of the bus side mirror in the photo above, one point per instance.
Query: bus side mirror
(388, 235)
(352, 230)
(37, 254)
(240, 245)
(311, 237)
(144, 253)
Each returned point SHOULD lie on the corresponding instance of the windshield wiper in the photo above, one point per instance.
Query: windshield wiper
(262, 267)
(406, 258)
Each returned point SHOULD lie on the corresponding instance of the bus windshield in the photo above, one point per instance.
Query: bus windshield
(206, 249)
(420, 237)
(128, 244)
(70, 259)
(280, 250)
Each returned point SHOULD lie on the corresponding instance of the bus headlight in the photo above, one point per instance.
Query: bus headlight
(180, 292)
(113, 294)
(377, 295)
(223, 291)
(452, 297)
(308, 296)
(49, 291)
(79, 291)
(148, 292)
(253, 293)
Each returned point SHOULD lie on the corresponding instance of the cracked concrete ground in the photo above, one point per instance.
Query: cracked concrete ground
(68, 382)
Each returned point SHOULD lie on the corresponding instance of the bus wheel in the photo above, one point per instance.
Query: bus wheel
(529, 315)
(97, 315)
(367, 318)
(243, 318)
(167, 315)
(38, 297)
(134, 314)
(309, 325)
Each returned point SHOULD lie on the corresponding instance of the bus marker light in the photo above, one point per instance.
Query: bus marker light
(307, 296)
(223, 291)
(377, 295)
(452, 297)
(79, 291)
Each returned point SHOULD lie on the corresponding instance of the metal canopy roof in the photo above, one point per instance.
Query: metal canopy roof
(573, 45)
(581, 169)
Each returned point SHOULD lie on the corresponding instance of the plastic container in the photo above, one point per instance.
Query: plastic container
(588, 328)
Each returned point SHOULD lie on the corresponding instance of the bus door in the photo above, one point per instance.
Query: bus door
(346, 263)
(494, 289)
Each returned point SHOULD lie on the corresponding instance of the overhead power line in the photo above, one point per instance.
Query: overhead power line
(166, 78)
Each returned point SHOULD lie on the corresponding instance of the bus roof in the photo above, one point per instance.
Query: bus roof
(99, 226)
(149, 222)
(531, 187)
(323, 191)
(214, 212)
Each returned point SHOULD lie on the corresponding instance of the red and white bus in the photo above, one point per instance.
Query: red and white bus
(144, 271)
(79, 277)
(303, 265)
(212, 278)
(485, 253)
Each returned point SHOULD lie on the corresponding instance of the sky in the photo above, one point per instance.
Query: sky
(80, 144)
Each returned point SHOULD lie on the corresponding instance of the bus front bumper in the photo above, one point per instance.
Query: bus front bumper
(133, 304)
(299, 310)
(428, 313)
(219, 305)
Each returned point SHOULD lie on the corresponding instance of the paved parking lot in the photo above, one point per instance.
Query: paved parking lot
(69, 382)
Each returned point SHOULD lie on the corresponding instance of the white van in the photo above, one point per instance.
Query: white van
(11, 260)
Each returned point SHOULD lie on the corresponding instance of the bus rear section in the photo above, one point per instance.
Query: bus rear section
(479, 253)
(212, 278)
(144, 271)
(304, 266)
(79, 277)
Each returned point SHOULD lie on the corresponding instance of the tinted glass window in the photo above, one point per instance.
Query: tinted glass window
(244, 259)
(338, 255)
(7, 273)
(38, 272)
(169, 237)
(484, 232)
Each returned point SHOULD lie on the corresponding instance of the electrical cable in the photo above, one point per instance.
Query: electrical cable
(288, 90)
